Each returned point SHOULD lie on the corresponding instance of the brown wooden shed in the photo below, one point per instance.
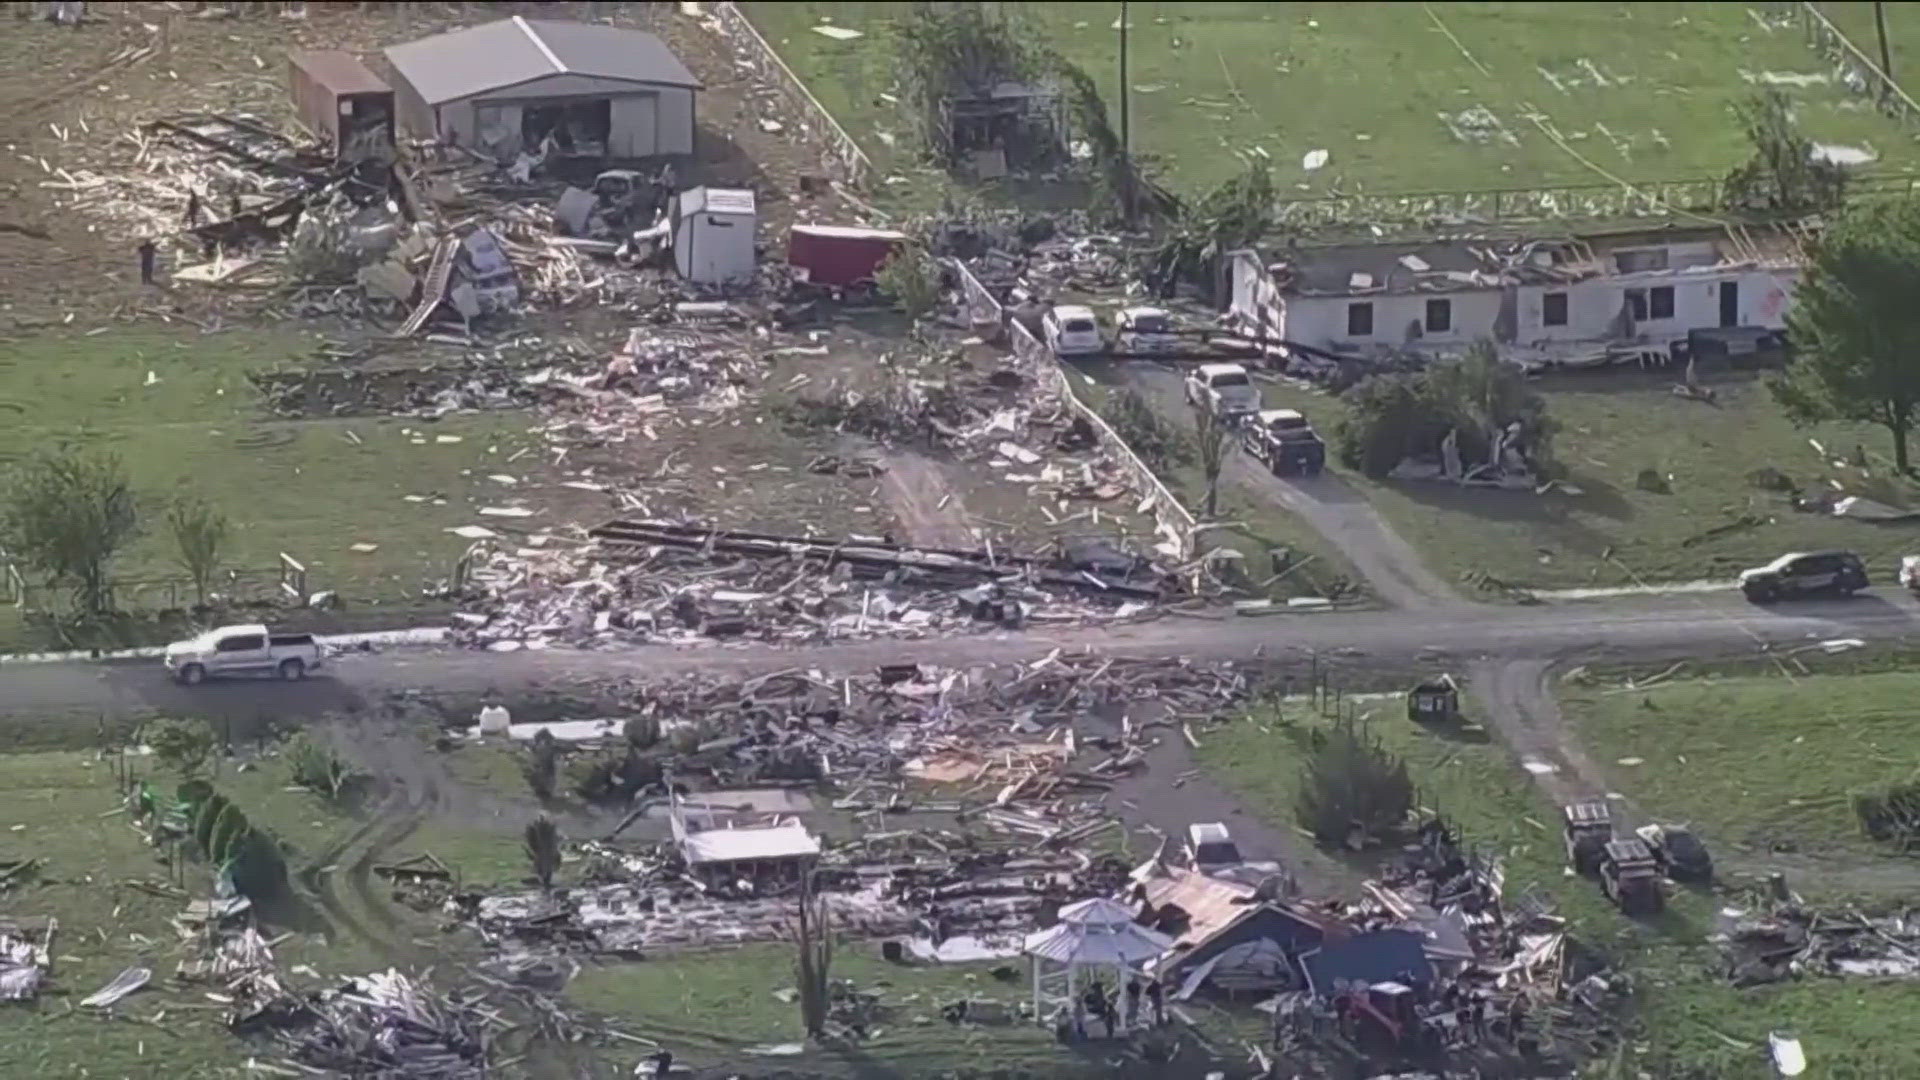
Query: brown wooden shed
(343, 103)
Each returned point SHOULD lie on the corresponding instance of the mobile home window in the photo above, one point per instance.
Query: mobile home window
(1359, 320)
(1553, 309)
(1660, 302)
(1439, 316)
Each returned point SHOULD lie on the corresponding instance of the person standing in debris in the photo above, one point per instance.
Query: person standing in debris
(1157, 998)
(192, 216)
(149, 254)
(234, 209)
(662, 1062)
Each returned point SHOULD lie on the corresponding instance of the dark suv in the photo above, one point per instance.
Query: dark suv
(1818, 573)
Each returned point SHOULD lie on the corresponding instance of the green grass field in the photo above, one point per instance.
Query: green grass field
(1684, 1013)
(1404, 98)
(1760, 760)
(181, 415)
(1613, 425)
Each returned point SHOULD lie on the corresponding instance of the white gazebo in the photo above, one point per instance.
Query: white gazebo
(1097, 934)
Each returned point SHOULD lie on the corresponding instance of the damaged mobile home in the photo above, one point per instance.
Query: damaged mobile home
(1647, 297)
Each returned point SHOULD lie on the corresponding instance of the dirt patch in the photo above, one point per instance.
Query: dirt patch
(932, 514)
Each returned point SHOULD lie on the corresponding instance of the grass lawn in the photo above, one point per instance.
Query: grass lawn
(60, 808)
(180, 413)
(716, 1006)
(1760, 760)
(1681, 1001)
(1443, 97)
(1613, 425)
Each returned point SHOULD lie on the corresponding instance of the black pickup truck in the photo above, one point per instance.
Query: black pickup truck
(1283, 441)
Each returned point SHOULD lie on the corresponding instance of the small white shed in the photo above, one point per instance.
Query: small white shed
(713, 235)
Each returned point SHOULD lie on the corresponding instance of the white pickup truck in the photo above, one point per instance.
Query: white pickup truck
(243, 651)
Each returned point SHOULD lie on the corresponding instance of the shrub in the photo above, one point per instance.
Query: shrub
(1891, 814)
(1155, 441)
(181, 745)
(542, 767)
(317, 768)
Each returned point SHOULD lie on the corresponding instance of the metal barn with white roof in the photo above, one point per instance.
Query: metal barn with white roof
(509, 86)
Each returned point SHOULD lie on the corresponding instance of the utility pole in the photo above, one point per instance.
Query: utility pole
(1886, 55)
(1126, 126)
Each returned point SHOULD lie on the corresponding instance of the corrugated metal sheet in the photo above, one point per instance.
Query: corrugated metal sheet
(496, 55)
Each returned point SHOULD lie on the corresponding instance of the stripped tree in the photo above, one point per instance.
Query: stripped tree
(813, 958)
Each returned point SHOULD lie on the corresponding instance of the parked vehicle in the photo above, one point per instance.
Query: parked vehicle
(1680, 854)
(1829, 573)
(237, 651)
(1282, 440)
(1145, 330)
(1211, 851)
(1587, 829)
(1225, 390)
(1210, 847)
(1630, 877)
(1071, 330)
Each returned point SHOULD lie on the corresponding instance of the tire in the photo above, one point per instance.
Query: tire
(292, 671)
(191, 675)
(1761, 594)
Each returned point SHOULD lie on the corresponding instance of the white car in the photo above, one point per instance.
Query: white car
(1071, 330)
(242, 651)
(1225, 390)
(1145, 329)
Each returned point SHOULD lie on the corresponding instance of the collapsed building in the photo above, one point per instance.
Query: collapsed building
(1651, 297)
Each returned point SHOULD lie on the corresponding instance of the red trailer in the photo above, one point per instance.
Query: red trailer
(343, 103)
(840, 255)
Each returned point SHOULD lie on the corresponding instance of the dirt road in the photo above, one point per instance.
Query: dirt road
(1523, 710)
(56, 694)
(1327, 504)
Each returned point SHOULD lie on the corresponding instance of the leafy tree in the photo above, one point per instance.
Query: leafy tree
(1388, 417)
(911, 278)
(1784, 177)
(944, 50)
(543, 849)
(1855, 327)
(1210, 435)
(1353, 790)
(200, 540)
(1234, 214)
(1478, 396)
(66, 515)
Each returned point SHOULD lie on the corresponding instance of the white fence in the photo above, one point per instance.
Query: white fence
(818, 124)
(1175, 521)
